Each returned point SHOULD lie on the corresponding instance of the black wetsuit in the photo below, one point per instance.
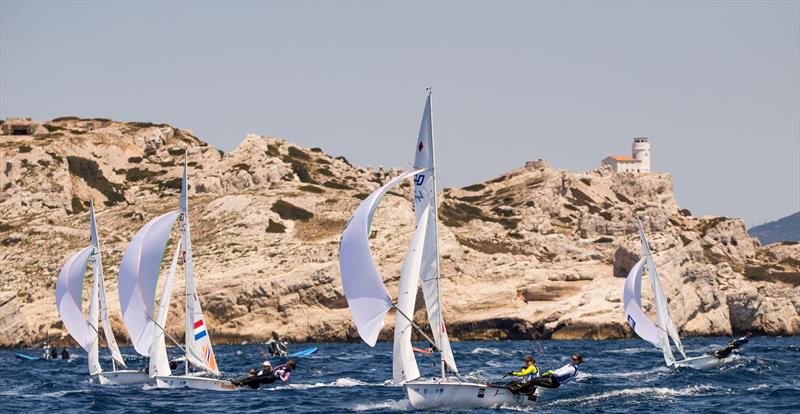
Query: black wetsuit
(735, 344)
(256, 380)
(65, 354)
(53, 353)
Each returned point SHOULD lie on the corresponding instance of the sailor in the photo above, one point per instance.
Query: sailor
(277, 346)
(53, 353)
(255, 379)
(528, 372)
(46, 351)
(732, 345)
(554, 379)
(64, 353)
(284, 372)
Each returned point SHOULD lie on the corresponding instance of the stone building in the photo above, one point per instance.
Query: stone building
(21, 126)
(638, 162)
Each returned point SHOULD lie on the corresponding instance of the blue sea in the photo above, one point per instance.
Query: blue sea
(618, 376)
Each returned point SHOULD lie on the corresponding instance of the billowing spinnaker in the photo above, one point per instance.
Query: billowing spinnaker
(69, 288)
(138, 275)
(634, 314)
(404, 364)
(363, 287)
(425, 199)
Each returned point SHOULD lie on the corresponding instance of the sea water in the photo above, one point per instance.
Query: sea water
(617, 376)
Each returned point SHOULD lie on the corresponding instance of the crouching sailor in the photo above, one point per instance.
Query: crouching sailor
(528, 372)
(554, 379)
(732, 345)
(254, 379)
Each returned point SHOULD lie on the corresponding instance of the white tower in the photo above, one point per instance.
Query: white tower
(641, 153)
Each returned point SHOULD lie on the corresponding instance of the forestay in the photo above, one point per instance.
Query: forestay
(364, 290)
(425, 199)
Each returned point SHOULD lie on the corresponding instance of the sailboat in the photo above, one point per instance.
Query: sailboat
(85, 331)
(657, 332)
(138, 277)
(369, 299)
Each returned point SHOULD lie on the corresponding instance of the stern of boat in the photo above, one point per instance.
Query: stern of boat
(120, 378)
(455, 395)
(199, 383)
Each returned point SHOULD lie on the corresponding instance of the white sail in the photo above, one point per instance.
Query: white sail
(404, 363)
(69, 289)
(138, 275)
(111, 341)
(424, 199)
(663, 317)
(198, 342)
(364, 290)
(159, 362)
(634, 314)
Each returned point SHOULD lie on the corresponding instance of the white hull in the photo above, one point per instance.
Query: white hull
(120, 377)
(199, 383)
(702, 362)
(424, 395)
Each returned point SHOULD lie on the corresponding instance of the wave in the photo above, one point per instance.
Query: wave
(338, 383)
(627, 374)
(492, 351)
(399, 405)
(656, 392)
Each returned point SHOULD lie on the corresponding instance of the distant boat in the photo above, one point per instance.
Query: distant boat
(69, 288)
(369, 300)
(657, 332)
(137, 286)
(303, 353)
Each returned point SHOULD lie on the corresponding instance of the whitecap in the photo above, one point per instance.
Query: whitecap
(492, 351)
(399, 405)
(338, 383)
(655, 392)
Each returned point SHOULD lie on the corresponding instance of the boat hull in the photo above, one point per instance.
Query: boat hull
(120, 378)
(199, 383)
(702, 362)
(424, 395)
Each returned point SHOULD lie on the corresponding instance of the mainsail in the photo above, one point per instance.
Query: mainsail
(97, 267)
(198, 343)
(364, 290)
(425, 200)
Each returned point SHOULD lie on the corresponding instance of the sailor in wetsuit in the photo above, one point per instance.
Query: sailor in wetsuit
(732, 345)
(254, 379)
(64, 353)
(284, 372)
(528, 373)
(554, 379)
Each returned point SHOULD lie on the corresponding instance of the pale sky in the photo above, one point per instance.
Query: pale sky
(714, 85)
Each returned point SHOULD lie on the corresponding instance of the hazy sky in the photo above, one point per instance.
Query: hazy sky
(714, 85)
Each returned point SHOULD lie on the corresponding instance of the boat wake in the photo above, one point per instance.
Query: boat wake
(338, 383)
(652, 392)
(399, 405)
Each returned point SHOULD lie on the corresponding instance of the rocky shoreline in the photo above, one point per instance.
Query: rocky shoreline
(537, 252)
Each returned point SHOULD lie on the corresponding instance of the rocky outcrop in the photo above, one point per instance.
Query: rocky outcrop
(536, 252)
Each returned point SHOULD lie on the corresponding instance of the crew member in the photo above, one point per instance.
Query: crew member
(732, 345)
(554, 379)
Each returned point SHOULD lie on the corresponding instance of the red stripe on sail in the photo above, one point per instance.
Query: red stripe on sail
(198, 324)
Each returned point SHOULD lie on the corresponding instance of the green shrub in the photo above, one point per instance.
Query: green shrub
(65, 118)
(474, 187)
(311, 189)
(294, 152)
(24, 148)
(135, 160)
(138, 174)
(337, 186)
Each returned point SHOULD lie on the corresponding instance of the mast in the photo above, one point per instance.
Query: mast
(436, 236)
(184, 209)
(94, 306)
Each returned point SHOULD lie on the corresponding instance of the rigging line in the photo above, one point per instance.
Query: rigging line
(167, 335)
(428, 338)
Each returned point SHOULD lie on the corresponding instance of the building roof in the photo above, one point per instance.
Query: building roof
(623, 158)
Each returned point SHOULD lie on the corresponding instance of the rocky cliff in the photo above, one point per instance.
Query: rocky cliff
(536, 252)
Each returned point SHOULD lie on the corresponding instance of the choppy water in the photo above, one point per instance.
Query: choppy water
(618, 376)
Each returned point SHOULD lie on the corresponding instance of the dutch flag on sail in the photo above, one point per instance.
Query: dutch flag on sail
(199, 330)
